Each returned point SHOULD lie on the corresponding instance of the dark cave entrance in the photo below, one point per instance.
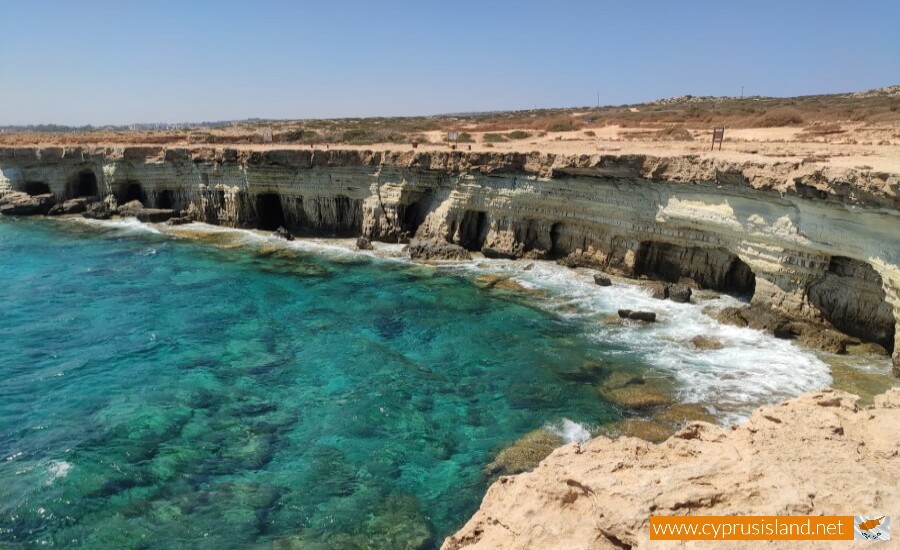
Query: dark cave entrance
(473, 229)
(713, 268)
(164, 199)
(131, 191)
(36, 188)
(555, 231)
(851, 297)
(270, 215)
(84, 185)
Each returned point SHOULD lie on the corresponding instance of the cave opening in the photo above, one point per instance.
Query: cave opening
(413, 216)
(472, 230)
(131, 191)
(34, 188)
(164, 199)
(270, 214)
(713, 268)
(851, 297)
(555, 231)
(84, 185)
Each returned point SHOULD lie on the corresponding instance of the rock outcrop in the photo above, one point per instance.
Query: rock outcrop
(22, 204)
(818, 454)
(810, 244)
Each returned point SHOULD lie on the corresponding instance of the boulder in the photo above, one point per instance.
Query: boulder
(363, 243)
(646, 316)
(602, 280)
(131, 208)
(680, 293)
(660, 291)
(98, 211)
(23, 204)
(154, 215)
(71, 206)
(284, 233)
(428, 250)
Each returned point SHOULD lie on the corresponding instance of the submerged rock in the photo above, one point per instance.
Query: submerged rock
(430, 250)
(589, 371)
(602, 280)
(638, 396)
(23, 204)
(706, 342)
(525, 454)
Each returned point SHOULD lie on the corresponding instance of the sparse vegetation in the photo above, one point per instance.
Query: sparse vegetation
(674, 134)
(779, 117)
(493, 138)
(821, 115)
(563, 125)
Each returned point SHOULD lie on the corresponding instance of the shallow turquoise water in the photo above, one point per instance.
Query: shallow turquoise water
(160, 393)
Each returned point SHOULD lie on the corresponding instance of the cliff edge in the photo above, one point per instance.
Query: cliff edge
(818, 454)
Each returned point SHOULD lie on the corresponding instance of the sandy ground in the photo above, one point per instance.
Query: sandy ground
(861, 147)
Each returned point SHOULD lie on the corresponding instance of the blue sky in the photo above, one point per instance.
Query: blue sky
(104, 62)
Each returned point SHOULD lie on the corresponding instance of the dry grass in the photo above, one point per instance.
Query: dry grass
(823, 116)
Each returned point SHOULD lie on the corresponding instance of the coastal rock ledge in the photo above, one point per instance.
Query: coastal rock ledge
(818, 454)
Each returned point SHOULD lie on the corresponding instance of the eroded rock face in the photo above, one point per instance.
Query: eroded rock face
(782, 232)
(819, 454)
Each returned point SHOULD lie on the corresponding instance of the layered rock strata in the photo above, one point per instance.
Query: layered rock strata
(819, 454)
(808, 243)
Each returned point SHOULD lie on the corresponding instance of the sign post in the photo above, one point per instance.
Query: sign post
(453, 137)
(718, 135)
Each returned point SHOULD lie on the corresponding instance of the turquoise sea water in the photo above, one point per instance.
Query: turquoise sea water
(162, 393)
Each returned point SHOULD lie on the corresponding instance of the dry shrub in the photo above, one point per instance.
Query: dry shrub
(674, 134)
(561, 125)
(779, 117)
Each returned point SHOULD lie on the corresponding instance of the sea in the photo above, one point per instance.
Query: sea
(206, 387)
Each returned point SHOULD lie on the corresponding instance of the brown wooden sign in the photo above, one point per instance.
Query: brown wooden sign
(718, 135)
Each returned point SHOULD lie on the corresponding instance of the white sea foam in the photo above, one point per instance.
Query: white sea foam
(125, 225)
(570, 431)
(753, 368)
(57, 469)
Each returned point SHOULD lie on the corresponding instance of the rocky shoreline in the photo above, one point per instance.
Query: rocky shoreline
(818, 454)
(815, 248)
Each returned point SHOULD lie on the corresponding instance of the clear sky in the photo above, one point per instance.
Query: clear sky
(115, 62)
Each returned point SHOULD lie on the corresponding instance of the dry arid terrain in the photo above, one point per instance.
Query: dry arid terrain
(855, 130)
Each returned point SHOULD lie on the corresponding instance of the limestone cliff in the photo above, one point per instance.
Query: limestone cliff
(819, 454)
(810, 243)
